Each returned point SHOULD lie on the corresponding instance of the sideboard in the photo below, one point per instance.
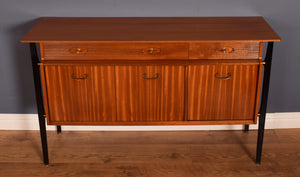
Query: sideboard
(151, 71)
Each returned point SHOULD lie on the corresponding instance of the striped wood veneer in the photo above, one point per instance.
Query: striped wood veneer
(89, 100)
(210, 98)
(139, 99)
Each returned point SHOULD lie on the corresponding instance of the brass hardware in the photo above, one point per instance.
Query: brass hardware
(78, 50)
(79, 78)
(224, 50)
(223, 78)
(263, 63)
(44, 116)
(154, 78)
(151, 50)
(258, 114)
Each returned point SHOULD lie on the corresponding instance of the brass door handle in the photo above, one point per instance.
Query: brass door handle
(223, 78)
(154, 78)
(79, 78)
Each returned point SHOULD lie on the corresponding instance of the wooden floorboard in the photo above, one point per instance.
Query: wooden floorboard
(159, 154)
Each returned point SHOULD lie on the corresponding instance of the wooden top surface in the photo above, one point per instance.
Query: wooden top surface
(150, 29)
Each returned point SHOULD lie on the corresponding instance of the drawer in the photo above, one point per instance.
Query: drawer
(225, 50)
(110, 51)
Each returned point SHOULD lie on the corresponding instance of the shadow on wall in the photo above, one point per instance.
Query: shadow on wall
(23, 68)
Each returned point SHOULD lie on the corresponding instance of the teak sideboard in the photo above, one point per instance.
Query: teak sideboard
(151, 71)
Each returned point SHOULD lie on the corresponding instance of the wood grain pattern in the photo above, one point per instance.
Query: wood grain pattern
(69, 100)
(142, 29)
(186, 52)
(259, 83)
(151, 154)
(139, 99)
(129, 51)
(234, 50)
(44, 90)
(147, 62)
(210, 98)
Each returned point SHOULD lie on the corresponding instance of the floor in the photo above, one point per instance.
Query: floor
(159, 154)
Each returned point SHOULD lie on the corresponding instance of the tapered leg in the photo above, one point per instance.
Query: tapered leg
(39, 100)
(246, 128)
(44, 139)
(264, 101)
(58, 129)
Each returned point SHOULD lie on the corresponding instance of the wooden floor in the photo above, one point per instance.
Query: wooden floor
(157, 154)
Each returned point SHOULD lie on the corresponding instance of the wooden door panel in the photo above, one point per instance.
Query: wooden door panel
(84, 93)
(142, 98)
(231, 96)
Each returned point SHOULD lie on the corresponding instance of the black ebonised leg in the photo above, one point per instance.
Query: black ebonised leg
(39, 100)
(246, 128)
(264, 101)
(58, 128)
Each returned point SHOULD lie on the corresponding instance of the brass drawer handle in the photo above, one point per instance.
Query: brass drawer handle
(154, 78)
(77, 50)
(151, 51)
(223, 78)
(225, 50)
(79, 78)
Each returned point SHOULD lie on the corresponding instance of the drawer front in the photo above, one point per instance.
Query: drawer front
(223, 92)
(80, 94)
(225, 50)
(127, 51)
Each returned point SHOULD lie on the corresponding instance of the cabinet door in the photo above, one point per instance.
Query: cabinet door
(80, 94)
(223, 91)
(150, 93)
